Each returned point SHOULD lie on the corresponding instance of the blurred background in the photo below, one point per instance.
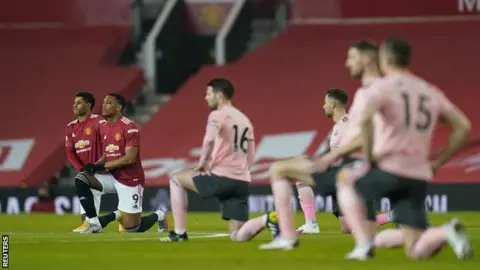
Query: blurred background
(281, 55)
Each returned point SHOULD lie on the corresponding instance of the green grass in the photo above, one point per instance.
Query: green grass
(46, 242)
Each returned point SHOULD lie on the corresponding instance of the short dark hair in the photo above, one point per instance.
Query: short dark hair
(365, 46)
(224, 86)
(400, 50)
(338, 94)
(88, 97)
(119, 98)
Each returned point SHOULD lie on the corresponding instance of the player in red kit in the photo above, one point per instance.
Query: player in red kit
(120, 172)
(83, 141)
(223, 171)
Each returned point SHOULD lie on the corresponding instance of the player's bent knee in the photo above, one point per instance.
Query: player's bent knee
(276, 168)
(234, 237)
(133, 229)
(81, 178)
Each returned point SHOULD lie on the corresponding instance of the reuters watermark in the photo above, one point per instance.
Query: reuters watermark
(5, 251)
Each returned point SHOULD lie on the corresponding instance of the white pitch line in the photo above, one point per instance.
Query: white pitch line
(107, 233)
(86, 240)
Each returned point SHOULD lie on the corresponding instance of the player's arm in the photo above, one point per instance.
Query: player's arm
(214, 125)
(102, 160)
(374, 101)
(130, 157)
(324, 146)
(132, 143)
(460, 127)
(346, 149)
(71, 154)
(366, 125)
(251, 149)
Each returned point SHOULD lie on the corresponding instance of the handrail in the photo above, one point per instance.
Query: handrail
(150, 50)
(220, 39)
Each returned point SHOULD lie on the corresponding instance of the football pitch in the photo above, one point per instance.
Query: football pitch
(46, 242)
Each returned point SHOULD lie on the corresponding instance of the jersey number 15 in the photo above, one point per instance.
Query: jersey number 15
(240, 139)
(421, 109)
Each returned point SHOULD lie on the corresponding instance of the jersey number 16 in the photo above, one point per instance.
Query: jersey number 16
(240, 139)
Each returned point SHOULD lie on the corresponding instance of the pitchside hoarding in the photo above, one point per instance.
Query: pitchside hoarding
(441, 198)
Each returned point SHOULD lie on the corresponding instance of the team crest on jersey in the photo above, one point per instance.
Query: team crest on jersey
(118, 136)
(88, 131)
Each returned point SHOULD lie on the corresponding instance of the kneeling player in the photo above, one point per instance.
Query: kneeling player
(121, 173)
(406, 110)
(83, 143)
(227, 153)
(335, 103)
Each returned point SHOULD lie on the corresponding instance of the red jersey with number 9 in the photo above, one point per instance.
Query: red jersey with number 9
(116, 138)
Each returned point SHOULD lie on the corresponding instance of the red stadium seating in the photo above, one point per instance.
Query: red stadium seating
(281, 87)
(40, 72)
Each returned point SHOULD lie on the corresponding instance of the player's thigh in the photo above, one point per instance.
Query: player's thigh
(233, 195)
(375, 184)
(130, 199)
(295, 169)
(409, 207)
(106, 182)
(185, 179)
(371, 213)
(206, 185)
(325, 183)
(409, 204)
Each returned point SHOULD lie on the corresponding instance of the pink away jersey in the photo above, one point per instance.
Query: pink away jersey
(354, 115)
(409, 108)
(234, 146)
(338, 132)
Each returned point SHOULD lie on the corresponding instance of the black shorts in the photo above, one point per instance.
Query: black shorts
(326, 184)
(233, 194)
(407, 195)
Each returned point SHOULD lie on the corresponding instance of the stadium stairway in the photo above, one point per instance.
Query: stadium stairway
(281, 87)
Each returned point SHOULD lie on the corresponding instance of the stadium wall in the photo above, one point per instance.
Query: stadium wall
(441, 198)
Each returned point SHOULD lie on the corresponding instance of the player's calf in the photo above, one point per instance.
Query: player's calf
(254, 226)
(307, 202)
(344, 228)
(82, 186)
(134, 223)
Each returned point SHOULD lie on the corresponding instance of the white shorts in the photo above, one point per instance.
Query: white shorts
(129, 198)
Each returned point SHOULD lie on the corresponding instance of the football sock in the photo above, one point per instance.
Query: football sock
(85, 195)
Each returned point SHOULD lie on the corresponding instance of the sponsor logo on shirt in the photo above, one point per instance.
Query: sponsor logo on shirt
(82, 144)
(133, 130)
(111, 148)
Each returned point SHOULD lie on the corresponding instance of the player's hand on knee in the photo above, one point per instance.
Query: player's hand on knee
(93, 168)
(322, 163)
(202, 169)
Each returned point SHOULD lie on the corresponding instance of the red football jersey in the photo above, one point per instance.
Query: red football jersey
(116, 138)
(83, 141)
